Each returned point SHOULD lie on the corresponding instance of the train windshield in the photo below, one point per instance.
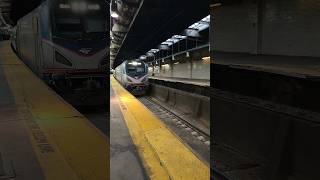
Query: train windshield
(136, 69)
(79, 20)
(80, 27)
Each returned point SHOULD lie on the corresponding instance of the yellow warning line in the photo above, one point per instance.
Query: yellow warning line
(67, 145)
(163, 154)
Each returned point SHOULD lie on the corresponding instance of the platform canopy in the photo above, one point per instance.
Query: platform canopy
(154, 22)
(12, 10)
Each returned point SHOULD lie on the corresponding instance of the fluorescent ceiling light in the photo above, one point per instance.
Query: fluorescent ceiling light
(174, 39)
(149, 54)
(135, 63)
(206, 58)
(179, 36)
(202, 24)
(79, 6)
(114, 14)
(167, 43)
(143, 57)
(64, 6)
(94, 6)
(154, 50)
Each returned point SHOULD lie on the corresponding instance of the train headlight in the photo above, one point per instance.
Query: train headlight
(135, 63)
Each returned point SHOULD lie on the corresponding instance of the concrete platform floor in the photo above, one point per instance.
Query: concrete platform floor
(124, 159)
(42, 136)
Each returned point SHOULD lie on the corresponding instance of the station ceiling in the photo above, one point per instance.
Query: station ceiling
(12, 10)
(156, 21)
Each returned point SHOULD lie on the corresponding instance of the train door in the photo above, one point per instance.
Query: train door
(37, 60)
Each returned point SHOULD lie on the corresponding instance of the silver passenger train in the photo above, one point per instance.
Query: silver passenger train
(133, 75)
(64, 43)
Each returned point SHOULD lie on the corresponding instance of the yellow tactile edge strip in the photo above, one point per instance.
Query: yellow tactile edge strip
(68, 147)
(163, 155)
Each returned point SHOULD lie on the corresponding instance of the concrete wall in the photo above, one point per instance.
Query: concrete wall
(286, 27)
(181, 70)
(191, 107)
(286, 143)
(184, 67)
(200, 70)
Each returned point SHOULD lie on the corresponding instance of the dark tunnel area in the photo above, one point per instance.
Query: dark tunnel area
(21, 8)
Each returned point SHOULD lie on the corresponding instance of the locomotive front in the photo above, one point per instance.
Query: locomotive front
(79, 38)
(136, 77)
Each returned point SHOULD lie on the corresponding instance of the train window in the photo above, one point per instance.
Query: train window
(135, 70)
(140, 69)
(70, 27)
(95, 25)
(80, 27)
(68, 21)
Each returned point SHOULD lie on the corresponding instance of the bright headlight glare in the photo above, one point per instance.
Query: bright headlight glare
(114, 15)
(135, 63)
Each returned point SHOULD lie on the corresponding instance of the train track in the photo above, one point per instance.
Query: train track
(164, 114)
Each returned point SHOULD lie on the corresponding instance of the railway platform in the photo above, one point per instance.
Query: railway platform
(292, 66)
(41, 136)
(188, 81)
(141, 141)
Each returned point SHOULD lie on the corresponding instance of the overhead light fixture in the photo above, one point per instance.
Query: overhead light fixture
(215, 5)
(79, 6)
(167, 43)
(135, 63)
(163, 46)
(143, 57)
(149, 54)
(206, 58)
(177, 36)
(154, 50)
(64, 6)
(114, 14)
(204, 23)
(94, 6)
